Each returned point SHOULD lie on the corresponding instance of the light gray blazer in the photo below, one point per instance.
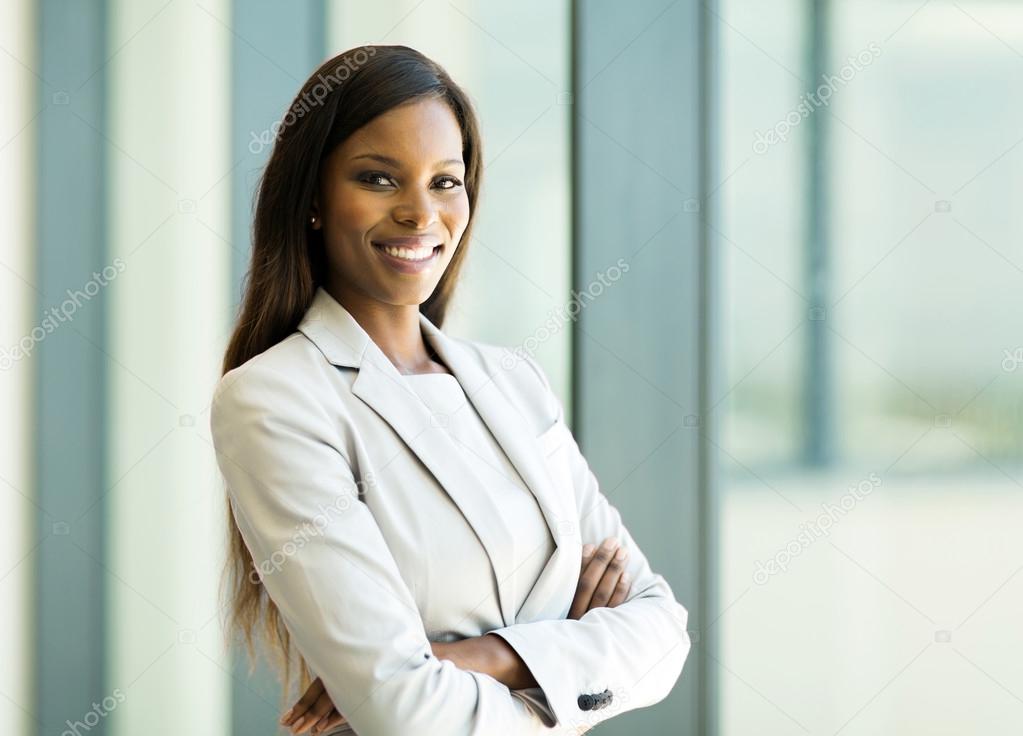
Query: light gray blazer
(365, 522)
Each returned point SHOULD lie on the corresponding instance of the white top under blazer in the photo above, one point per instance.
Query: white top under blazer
(379, 522)
(462, 562)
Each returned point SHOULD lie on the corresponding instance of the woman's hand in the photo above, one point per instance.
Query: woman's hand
(603, 581)
(314, 710)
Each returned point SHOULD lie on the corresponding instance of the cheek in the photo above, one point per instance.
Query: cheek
(355, 211)
(456, 215)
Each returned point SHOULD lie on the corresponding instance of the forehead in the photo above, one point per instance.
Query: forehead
(423, 132)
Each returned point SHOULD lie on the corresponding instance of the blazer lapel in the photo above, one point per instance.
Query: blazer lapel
(343, 341)
(484, 387)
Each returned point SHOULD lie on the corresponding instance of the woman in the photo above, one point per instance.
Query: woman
(409, 509)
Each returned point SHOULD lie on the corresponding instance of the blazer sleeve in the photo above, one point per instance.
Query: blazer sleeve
(635, 651)
(327, 567)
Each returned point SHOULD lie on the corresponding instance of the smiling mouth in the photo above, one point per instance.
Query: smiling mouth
(411, 255)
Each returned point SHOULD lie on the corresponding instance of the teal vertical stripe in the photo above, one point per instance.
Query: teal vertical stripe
(818, 431)
(640, 195)
(707, 606)
(70, 361)
(283, 43)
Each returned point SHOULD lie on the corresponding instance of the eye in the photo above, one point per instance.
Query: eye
(454, 183)
(371, 177)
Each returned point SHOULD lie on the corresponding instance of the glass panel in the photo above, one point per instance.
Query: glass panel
(880, 593)
(17, 320)
(169, 170)
(761, 250)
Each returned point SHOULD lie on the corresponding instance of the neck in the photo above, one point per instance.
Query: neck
(395, 329)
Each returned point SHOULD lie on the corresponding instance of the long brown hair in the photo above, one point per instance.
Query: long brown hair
(288, 261)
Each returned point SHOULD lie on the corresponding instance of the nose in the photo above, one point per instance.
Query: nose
(416, 209)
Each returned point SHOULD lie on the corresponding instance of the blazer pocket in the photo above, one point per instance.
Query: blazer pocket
(554, 443)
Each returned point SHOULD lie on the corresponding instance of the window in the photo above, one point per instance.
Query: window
(871, 435)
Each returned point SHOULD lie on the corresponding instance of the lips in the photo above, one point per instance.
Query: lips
(416, 259)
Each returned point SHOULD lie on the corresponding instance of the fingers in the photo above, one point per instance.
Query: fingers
(621, 593)
(614, 558)
(316, 713)
(582, 592)
(311, 695)
(333, 719)
(599, 577)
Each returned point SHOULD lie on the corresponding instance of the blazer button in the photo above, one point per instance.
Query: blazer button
(586, 702)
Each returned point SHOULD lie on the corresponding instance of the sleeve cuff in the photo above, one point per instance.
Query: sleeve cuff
(536, 701)
(555, 689)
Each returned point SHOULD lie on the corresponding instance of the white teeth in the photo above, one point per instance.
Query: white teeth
(408, 254)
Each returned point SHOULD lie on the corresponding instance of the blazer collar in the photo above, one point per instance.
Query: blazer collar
(344, 342)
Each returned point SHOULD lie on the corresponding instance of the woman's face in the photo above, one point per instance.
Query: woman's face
(398, 181)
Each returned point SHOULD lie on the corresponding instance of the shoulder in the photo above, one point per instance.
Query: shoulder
(282, 375)
(276, 402)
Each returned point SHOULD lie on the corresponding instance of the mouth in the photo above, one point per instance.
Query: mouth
(408, 252)
(408, 258)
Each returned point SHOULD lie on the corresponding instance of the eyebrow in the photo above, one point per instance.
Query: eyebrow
(393, 162)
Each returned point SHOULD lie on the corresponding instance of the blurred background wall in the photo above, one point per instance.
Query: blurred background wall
(792, 228)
